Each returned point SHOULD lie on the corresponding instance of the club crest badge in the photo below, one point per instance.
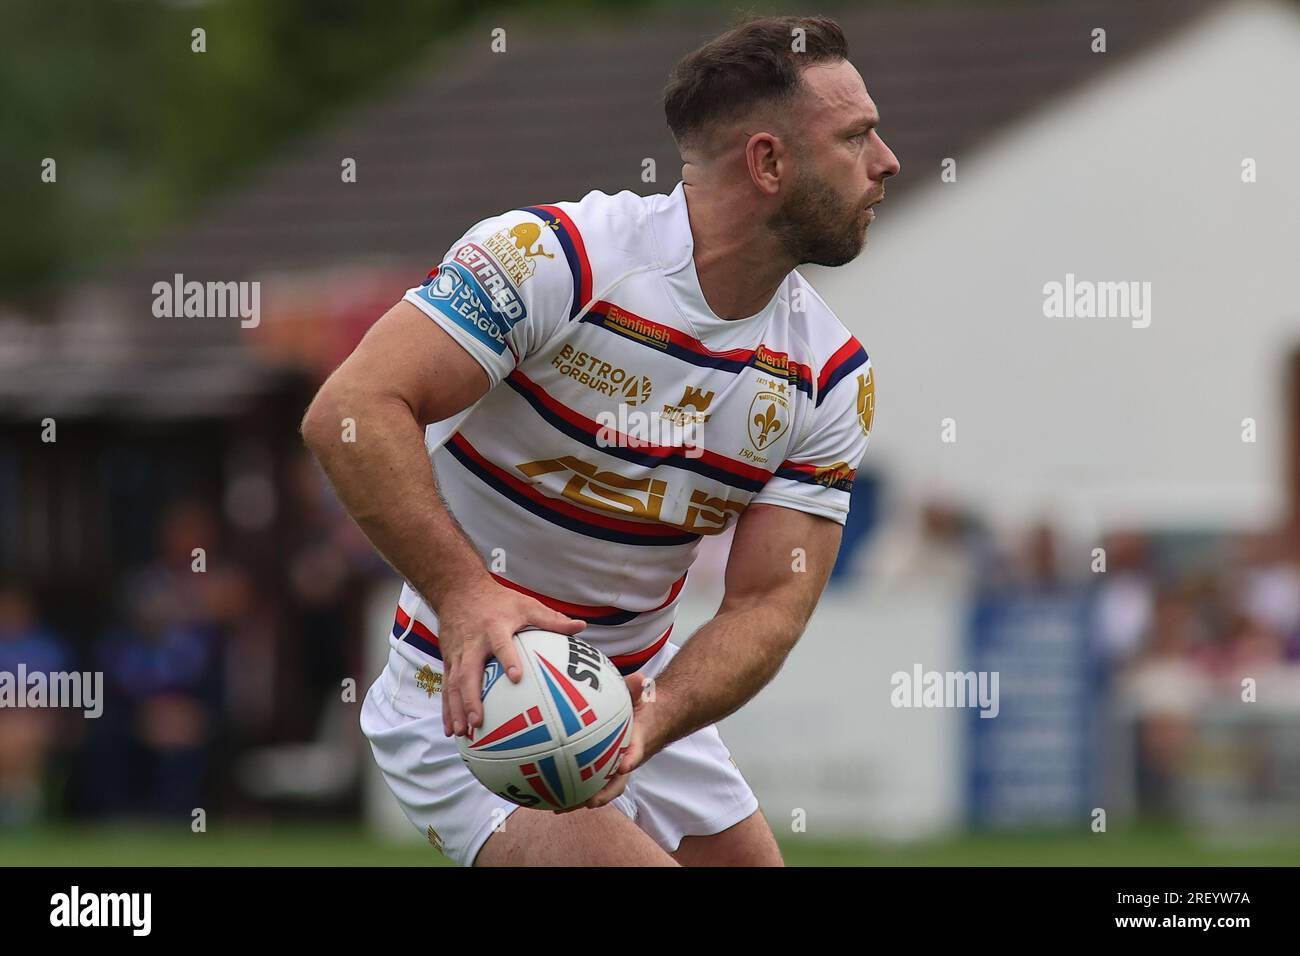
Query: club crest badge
(769, 418)
(429, 680)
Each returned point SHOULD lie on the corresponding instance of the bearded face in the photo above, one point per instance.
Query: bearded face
(817, 224)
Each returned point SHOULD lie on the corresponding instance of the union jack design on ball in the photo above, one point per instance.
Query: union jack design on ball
(551, 773)
(528, 728)
(594, 758)
(521, 730)
(575, 712)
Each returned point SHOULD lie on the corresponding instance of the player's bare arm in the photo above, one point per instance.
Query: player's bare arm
(778, 566)
(405, 374)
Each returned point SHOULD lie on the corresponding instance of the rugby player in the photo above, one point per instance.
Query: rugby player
(506, 366)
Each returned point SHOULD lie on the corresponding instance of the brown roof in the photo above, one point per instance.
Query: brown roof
(470, 133)
(568, 110)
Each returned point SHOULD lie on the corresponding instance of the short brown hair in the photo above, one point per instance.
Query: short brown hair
(752, 63)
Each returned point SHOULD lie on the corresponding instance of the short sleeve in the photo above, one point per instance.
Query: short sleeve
(818, 475)
(501, 291)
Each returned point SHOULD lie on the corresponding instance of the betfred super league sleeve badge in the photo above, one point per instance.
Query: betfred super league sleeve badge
(473, 292)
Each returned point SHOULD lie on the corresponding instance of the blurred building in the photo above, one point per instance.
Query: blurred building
(1136, 175)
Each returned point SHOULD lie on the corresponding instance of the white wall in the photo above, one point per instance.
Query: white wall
(1137, 177)
(823, 737)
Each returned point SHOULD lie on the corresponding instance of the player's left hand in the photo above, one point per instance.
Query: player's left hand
(643, 745)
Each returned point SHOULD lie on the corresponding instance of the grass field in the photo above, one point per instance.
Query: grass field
(340, 846)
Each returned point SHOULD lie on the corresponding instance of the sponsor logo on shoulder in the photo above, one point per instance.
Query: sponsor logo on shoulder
(776, 364)
(866, 400)
(516, 248)
(838, 475)
(498, 287)
(471, 291)
(636, 328)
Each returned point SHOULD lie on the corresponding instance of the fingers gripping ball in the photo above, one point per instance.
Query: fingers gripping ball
(553, 740)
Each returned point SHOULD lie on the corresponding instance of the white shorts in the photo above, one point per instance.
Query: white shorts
(690, 788)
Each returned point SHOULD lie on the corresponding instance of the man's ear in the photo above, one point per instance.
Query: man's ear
(767, 159)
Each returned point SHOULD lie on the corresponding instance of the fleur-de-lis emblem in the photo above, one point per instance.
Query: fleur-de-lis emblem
(769, 418)
(428, 680)
(766, 421)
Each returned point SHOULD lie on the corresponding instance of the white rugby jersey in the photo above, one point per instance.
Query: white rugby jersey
(625, 419)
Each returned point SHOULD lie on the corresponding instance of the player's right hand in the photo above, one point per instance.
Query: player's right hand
(478, 622)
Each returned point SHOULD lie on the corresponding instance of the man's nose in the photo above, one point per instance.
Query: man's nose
(887, 163)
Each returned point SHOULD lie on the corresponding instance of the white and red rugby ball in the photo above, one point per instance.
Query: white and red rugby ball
(553, 740)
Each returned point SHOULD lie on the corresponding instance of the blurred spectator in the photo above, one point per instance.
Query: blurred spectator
(1166, 686)
(936, 544)
(27, 736)
(1246, 648)
(151, 751)
(1268, 582)
(1219, 617)
(1125, 598)
(1038, 561)
(326, 555)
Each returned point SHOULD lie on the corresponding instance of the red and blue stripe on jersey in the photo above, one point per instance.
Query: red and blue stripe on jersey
(575, 251)
(418, 635)
(561, 512)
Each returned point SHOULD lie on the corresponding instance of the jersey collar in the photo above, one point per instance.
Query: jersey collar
(675, 247)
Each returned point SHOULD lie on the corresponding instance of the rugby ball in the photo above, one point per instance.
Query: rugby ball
(553, 740)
